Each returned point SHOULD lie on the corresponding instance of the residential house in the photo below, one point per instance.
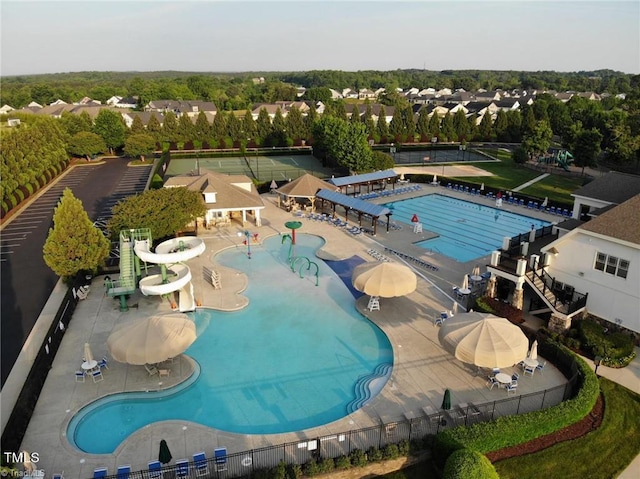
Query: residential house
(144, 116)
(589, 95)
(190, 108)
(335, 94)
(564, 97)
(6, 109)
(349, 93)
(366, 94)
(487, 96)
(128, 102)
(228, 198)
(444, 92)
(508, 104)
(608, 190)
(454, 107)
(113, 100)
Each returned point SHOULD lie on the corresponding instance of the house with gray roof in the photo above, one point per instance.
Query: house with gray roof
(613, 188)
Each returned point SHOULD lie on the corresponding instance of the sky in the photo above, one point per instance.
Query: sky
(238, 36)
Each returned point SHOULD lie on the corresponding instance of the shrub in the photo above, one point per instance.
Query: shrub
(156, 182)
(374, 454)
(326, 465)
(342, 462)
(358, 458)
(19, 195)
(311, 468)
(468, 464)
(598, 341)
(280, 471)
(43, 180)
(12, 201)
(294, 471)
(404, 448)
(483, 306)
(29, 189)
(390, 451)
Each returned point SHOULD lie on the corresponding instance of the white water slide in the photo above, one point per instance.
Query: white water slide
(178, 278)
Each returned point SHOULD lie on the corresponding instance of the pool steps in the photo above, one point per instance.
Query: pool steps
(369, 385)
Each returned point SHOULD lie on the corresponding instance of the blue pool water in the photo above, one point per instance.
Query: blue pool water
(466, 230)
(295, 358)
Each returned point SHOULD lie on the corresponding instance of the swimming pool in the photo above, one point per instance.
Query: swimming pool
(466, 230)
(295, 358)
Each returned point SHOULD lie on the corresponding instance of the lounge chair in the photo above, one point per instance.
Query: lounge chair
(58, 475)
(80, 376)
(99, 473)
(155, 470)
(200, 464)
(220, 455)
(103, 363)
(540, 367)
(529, 370)
(511, 389)
(491, 382)
(124, 472)
(182, 468)
(151, 369)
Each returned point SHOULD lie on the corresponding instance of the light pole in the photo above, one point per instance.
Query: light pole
(392, 150)
(247, 241)
(596, 361)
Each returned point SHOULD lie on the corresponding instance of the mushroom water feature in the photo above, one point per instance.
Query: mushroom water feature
(293, 226)
(293, 261)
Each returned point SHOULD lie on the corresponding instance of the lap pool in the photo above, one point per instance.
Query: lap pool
(466, 230)
(299, 356)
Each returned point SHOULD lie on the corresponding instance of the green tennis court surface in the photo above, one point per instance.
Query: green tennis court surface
(436, 156)
(263, 168)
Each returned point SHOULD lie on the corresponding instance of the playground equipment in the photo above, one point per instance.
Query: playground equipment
(561, 158)
(293, 260)
(170, 255)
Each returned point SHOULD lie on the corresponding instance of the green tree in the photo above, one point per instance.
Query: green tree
(447, 129)
(234, 128)
(434, 126)
(73, 124)
(528, 121)
(170, 130)
(409, 124)
(202, 129)
(461, 125)
(485, 129)
(278, 126)
(381, 161)
(137, 126)
(520, 156)
(263, 124)
(515, 126)
(355, 114)
(422, 125)
(74, 244)
(369, 124)
(154, 128)
(249, 125)
(315, 94)
(587, 147)
(344, 141)
(500, 126)
(165, 211)
(396, 126)
(295, 124)
(139, 145)
(310, 119)
(382, 127)
(219, 128)
(186, 128)
(110, 126)
(86, 144)
(538, 141)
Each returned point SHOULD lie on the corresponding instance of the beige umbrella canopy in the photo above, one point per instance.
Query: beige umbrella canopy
(152, 340)
(384, 279)
(484, 340)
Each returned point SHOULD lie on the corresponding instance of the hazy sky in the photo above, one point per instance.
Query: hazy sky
(54, 36)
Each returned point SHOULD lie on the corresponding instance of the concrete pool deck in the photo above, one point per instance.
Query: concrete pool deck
(422, 369)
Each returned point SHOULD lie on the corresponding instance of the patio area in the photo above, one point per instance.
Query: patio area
(422, 368)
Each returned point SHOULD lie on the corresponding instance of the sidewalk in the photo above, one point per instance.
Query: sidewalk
(530, 182)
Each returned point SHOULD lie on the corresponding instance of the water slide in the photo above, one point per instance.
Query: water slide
(175, 276)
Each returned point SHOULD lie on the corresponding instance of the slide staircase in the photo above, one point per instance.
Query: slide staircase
(126, 283)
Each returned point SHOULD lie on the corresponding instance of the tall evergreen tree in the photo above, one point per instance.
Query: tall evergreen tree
(278, 125)
(186, 128)
(202, 129)
(422, 125)
(528, 121)
(355, 114)
(461, 125)
(170, 131)
(515, 126)
(474, 132)
(383, 128)
(409, 124)
(154, 128)
(263, 124)
(396, 126)
(309, 120)
(219, 127)
(434, 126)
(369, 124)
(137, 126)
(74, 244)
(486, 127)
(339, 110)
(249, 125)
(234, 128)
(295, 124)
(448, 131)
(500, 126)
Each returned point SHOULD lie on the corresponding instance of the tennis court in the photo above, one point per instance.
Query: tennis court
(436, 156)
(263, 168)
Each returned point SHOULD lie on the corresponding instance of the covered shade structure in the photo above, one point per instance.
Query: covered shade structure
(384, 279)
(152, 340)
(306, 187)
(360, 207)
(484, 340)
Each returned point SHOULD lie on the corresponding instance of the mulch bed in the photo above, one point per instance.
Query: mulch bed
(591, 422)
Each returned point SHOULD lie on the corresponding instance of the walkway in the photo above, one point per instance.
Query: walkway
(530, 182)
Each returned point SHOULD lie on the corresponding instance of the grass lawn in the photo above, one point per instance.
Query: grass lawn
(601, 454)
(508, 175)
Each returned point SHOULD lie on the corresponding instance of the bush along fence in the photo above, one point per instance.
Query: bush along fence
(26, 402)
(357, 448)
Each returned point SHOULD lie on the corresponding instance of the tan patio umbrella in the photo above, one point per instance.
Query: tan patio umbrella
(476, 270)
(384, 279)
(88, 355)
(484, 340)
(533, 353)
(152, 340)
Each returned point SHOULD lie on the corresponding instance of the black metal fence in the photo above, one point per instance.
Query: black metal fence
(249, 463)
(17, 424)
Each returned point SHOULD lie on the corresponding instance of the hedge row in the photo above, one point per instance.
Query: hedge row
(513, 430)
(11, 200)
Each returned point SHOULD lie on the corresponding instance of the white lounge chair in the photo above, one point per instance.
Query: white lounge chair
(152, 370)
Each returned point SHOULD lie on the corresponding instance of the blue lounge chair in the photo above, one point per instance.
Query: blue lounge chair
(220, 455)
(103, 363)
(79, 376)
(182, 468)
(155, 470)
(124, 472)
(200, 464)
(99, 473)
